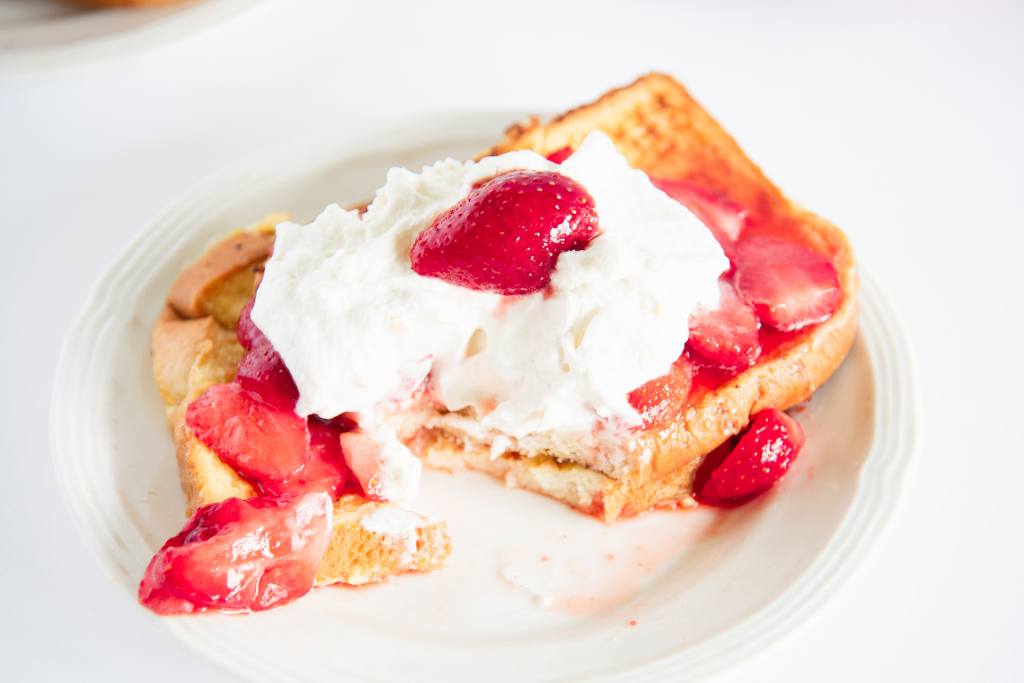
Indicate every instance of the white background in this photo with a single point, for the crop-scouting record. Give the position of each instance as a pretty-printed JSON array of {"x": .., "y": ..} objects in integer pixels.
[{"x": 901, "y": 124}]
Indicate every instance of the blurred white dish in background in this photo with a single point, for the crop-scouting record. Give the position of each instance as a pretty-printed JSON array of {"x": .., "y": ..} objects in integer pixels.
[{"x": 38, "y": 35}]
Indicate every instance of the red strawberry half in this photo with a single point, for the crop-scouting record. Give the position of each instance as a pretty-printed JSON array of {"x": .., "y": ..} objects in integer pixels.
[
  {"x": 789, "y": 285},
  {"x": 725, "y": 337},
  {"x": 725, "y": 218},
  {"x": 506, "y": 234},
  {"x": 661, "y": 399},
  {"x": 268, "y": 445},
  {"x": 748, "y": 465},
  {"x": 363, "y": 456},
  {"x": 248, "y": 333},
  {"x": 560, "y": 155},
  {"x": 240, "y": 555},
  {"x": 262, "y": 369}
]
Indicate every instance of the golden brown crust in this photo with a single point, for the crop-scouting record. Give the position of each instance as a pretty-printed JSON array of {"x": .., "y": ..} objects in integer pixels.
[
  {"x": 661, "y": 129},
  {"x": 179, "y": 341},
  {"x": 188, "y": 357},
  {"x": 213, "y": 285}
]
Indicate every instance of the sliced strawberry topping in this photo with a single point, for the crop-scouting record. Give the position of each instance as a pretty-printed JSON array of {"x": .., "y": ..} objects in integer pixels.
[
  {"x": 240, "y": 555},
  {"x": 262, "y": 370},
  {"x": 789, "y": 285},
  {"x": 326, "y": 469},
  {"x": 259, "y": 440},
  {"x": 248, "y": 333},
  {"x": 384, "y": 467},
  {"x": 345, "y": 422},
  {"x": 560, "y": 155},
  {"x": 725, "y": 218},
  {"x": 661, "y": 400},
  {"x": 748, "y": 465},
  {"x": 364, "y": 457},
  {"x": 726, "y": 337},
  {"x": 271, "y": 446},
  {"x": 506, "y": 234}
]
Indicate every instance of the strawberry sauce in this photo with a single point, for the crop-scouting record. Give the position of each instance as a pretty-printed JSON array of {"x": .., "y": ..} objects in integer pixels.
[
  {"x": 251, "y": 555},
  {"x": 785, "y": 289}
]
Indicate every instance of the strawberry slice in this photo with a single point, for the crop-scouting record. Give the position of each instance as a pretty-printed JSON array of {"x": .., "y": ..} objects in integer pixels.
[
  {"x": 384, "y": 467},
  {"x": 363, "y": 455},
  {"x": 259, "y": 440},
  {"x": 725, "y": 337},
  {"x": 660, "y": 400},
  {"x": 262, "y": 370},
  {"x": 560, "y": 155},
  {"x": 747, "y": 465},
  {"x": 240, "y": 556},
  {"x": 506, "y": 234},
  {"x": 248, "y": 333},
  {"x": 725, "y": 218},
  {"x": 789, "y": 285},
  {"x": 326, "y": 469},
  {"x": 268, "y": 445}
]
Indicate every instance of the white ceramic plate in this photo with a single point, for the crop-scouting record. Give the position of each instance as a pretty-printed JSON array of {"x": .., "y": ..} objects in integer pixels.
[
  {"x": 534, "y": 591},
  {"x": 37, "y": 35}
]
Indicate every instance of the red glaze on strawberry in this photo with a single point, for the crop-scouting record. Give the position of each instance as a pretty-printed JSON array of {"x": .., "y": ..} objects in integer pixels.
[
  {"x": 748, "y": 465},
  {"x": 363, "y": 455},
  {"x": 240, "y": 556},
  {"x": 262, "y": 370},
  {"x": 725, "y": 218},
  {"x": 725, "y": 337},
  {"x": 789, "y": 285},
  {"x": 345, "y": 422},
  {"x": 663, "y": 398},
  {"x": 506, "y": 234},
  {"x": 248, "y": 333},
  {"x": 560, "y": 155},
  {"x": 326, "y": 469},
  {"x": 270, "y": 446}
]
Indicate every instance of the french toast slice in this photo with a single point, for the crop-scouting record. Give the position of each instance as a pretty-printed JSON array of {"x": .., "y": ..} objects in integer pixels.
[{"x": 660, "y": 129}]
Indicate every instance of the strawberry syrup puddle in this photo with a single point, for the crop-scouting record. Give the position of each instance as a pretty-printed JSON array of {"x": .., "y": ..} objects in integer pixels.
[{"x": 614, "y": 568}]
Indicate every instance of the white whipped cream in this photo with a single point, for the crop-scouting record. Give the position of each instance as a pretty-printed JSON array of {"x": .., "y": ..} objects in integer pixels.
[{"x": 360, "y": 331}]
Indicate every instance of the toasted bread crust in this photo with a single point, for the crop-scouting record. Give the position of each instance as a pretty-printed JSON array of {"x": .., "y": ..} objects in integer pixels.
[
  {"x": 660, "y": 129},
  {"x": 224, "y": 275}
]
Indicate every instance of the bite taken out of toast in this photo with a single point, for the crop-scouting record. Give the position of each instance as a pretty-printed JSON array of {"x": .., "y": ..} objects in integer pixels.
[{"x": 660, "y": 129}]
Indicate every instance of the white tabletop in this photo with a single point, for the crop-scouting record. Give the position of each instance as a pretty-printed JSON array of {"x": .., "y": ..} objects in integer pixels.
[{"x": 903, "y": 125}]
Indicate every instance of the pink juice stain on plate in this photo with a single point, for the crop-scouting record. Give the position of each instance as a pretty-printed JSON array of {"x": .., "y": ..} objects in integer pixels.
[{"x": 585, "y": 579}]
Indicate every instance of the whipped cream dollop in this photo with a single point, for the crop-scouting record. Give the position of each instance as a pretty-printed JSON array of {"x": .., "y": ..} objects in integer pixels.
[{"x": 361, "y": 332}]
